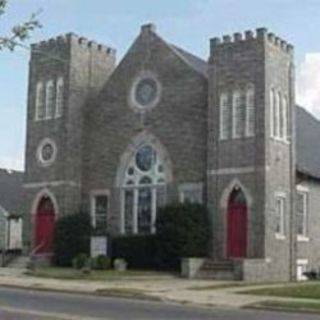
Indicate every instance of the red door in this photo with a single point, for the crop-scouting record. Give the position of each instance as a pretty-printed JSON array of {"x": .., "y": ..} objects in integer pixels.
[
  {"x": 237, "y": 225},
  {"x": 44, "y": 227}
]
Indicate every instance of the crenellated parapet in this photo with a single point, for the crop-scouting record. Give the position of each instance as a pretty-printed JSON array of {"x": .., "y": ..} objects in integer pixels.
[
  {"x": 259, "y": 35},
  {"x": 71, "y": 38}
]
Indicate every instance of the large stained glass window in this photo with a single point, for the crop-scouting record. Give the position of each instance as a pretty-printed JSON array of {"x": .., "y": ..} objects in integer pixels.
[{"x": 143, "y": 191}]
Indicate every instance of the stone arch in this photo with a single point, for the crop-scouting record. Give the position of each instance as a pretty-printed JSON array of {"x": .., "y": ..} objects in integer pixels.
[
  {"x": 234, "y": 184},
  {"x": 44, "y": 193}
]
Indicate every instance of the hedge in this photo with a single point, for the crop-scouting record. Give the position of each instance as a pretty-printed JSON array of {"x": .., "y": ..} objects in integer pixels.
[
  {"x": 182, "y": 231},
  {"x": 140, "y": 251},
  {"x": 72, "y": 237}
]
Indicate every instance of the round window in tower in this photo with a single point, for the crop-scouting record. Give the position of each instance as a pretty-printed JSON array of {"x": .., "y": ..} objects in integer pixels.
[{"x": 46, "y": 152}]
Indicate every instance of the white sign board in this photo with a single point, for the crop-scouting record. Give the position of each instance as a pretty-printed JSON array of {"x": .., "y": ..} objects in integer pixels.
[{"x": 98, "y": 245}]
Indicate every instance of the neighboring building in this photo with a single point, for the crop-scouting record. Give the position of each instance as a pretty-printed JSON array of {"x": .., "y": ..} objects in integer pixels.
[
  {"x": 163, "y": 125},
  {"x": 10, "y": 209}
]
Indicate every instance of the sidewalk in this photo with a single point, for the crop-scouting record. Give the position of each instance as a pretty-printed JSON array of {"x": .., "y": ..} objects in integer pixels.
[{"x": 164, "y": 288}]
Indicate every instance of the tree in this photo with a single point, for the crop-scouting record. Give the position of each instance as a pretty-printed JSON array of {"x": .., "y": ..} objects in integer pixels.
[
  {"x": 182, "y": 231},
  {"x": 19, "y": 33}
]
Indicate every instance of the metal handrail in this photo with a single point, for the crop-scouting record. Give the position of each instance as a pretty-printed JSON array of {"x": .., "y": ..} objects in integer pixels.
[{"x": 42, "y": 243}]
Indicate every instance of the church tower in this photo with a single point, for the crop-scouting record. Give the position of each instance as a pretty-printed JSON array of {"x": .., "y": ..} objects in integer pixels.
[
  {"x": 65, "y": 73},
  {"x": 251, "y": 156}
]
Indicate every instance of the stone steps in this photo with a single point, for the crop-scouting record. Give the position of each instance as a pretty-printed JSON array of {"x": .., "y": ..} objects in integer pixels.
[
  {"x": 20, "y": 262},
  {"x": 217, "y": 270}
]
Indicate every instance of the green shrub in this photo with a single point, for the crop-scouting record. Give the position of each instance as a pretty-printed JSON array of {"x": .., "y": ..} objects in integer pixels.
[
  {"x": 101, "y": 262},
  {"x": 138, "y": 250},
  {"x": 182, "y": 231},
  {"x": 72, "y": 237},
  {"x": 80, "y": 261}
]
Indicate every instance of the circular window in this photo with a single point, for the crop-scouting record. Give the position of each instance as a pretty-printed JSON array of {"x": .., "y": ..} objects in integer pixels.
[
  {"x": 46, "y": 152},
  {"x": 145, "y": 158},
  {"x": 145, "y": 91}
]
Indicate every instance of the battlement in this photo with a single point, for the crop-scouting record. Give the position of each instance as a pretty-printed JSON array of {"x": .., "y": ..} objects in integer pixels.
[
  {"x": 71, "y": 38},
  {"x": 260, "y": 34}
]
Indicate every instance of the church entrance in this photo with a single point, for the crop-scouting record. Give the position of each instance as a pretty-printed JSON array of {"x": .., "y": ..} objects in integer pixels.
[
  {"x": 237, "y": 222},
  {"x": 44, "y": 227}
]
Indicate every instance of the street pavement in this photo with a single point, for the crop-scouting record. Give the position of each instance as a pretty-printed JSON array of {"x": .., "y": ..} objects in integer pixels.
[{"x": 21, "y": 304}]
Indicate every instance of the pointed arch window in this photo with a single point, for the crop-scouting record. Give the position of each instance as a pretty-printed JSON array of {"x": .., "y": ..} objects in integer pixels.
[
  {"x": 59, "y": 97},
  {"x": 272, "y": 113},
  {"x": 143, "y": 191},
  {"x": 250, "y": 111},
  {"x": 50, "y": 99},
  {"x": 40, "y": 105},
  {"x": 224, "y": 131},
  {"x": 238, "y": 114},
  {"x": 285, "y": 117}
]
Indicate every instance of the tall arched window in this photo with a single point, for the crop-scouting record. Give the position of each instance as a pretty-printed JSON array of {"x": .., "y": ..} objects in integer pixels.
[
  {"x": 285, "y": 117},
  {"x": 272, "y": 113},
  {"x": 238, "y": 112},
  {"x": 281, "y": 116},
  {"x": 40, "y": 107},
  {"x": 59, "y": 97},
  {"x": 224, "y": 130},
  {"x": 276, "y": 116},
  {"x": 250, "y": 111},
  {"x": 143, "y": 190},
  {"x": 50, "y": 103}
]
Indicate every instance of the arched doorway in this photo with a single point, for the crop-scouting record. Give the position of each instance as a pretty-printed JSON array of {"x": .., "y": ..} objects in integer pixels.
[
  {"x": 237, "y": 221},
  {"x": 44, "y": 226}
]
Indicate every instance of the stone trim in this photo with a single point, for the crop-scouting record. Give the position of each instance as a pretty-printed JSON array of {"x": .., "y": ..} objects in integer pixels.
[
  {"x": 56, "y": 183},
  {"x": 241, "y": 170}
]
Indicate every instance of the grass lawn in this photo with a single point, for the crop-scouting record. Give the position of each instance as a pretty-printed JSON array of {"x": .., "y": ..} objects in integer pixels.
[
  {"x": 295, "y": 306},
  {"x": 300, "y": 290},
  {"x": 96, "y": 275}
]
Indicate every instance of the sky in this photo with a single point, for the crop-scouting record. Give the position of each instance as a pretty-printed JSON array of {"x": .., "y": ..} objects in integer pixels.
[{"x": 189, "y": 24}]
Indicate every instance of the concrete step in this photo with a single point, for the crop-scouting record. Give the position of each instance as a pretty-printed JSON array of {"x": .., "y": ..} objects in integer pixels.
[
  {"x": 217, "y": 270},
  {"x": 20, "y": 262}
]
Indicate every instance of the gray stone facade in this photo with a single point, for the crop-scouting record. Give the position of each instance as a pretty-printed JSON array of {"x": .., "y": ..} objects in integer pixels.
[{"x": 101, "y": 128}]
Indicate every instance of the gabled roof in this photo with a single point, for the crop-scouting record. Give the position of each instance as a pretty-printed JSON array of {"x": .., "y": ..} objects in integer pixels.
[
  {"x": 193, "y": 61},
  {"x": 308, "y": 143},
  {"x": 11, "y": 190}
]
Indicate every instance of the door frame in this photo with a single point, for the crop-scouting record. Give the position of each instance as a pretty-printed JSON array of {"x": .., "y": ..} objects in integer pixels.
[
  {"x": 34, "y": 210},
  {"x": 244, "y": 227},
  {"x": 223, "y": 211}
]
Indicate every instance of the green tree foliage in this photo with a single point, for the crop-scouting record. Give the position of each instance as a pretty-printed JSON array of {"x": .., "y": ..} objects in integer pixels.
[
  {"x": 182, "y": 231},
  {"x": 19, "y": 33},
  {"x": 72, "y": 237}
]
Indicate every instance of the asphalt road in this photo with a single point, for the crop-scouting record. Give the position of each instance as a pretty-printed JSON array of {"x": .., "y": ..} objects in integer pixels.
[{"x": 18, "y": 304}]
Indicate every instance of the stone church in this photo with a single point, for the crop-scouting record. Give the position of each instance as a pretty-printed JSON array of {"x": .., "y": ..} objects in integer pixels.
[{"x": 119, "y": 140}]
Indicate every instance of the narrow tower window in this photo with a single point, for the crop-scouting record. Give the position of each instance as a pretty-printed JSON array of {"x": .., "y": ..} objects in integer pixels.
[
  {"x": 250, "y": 112},
  {"x": 224, "y": 117},
  {"x": 50, "y": 100},
  {"x": 237, "y": 114},
  {"x": 281, "y": 116},
  {"x": 285, "y": 117},
  {"x": 59, "y": 97},
  {"x": 40, "y": 111},
  {"x": 272, "y": 113}
]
